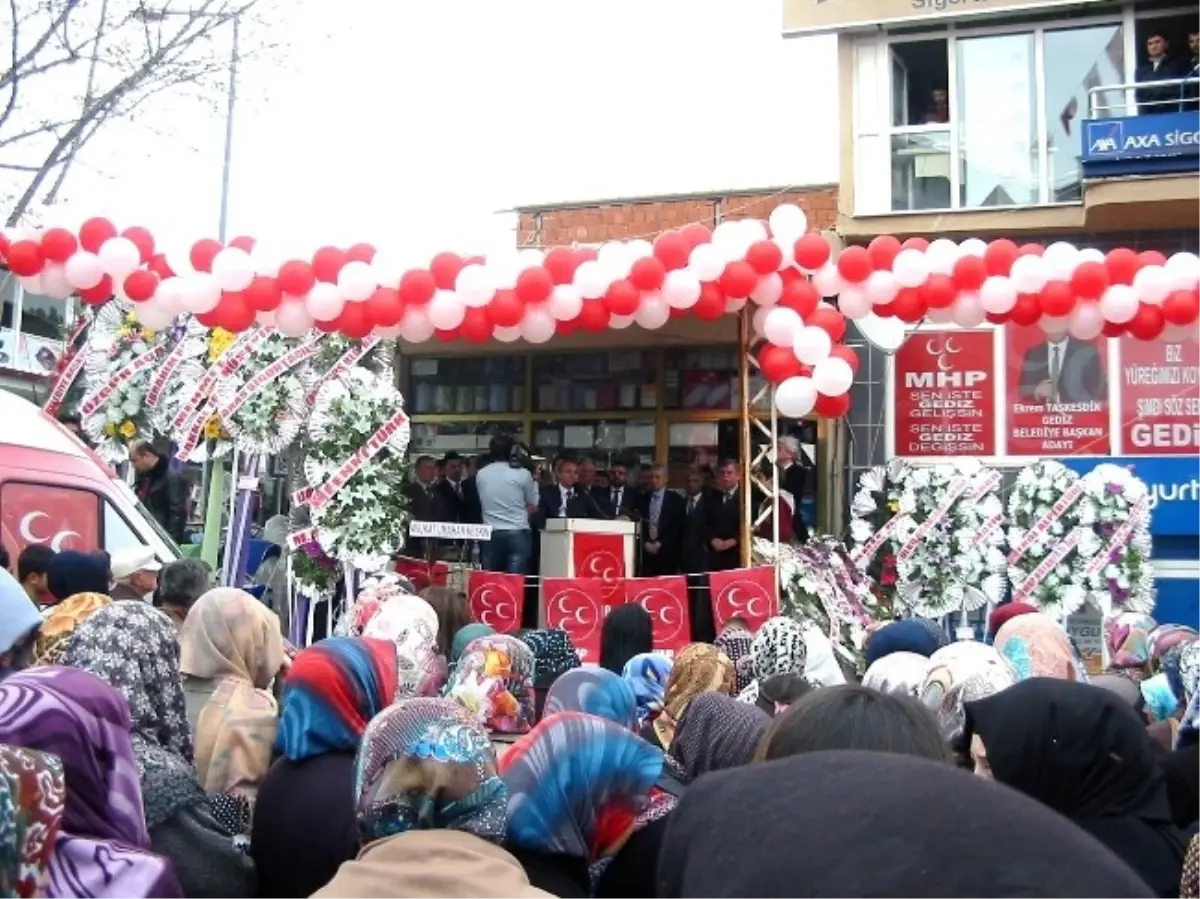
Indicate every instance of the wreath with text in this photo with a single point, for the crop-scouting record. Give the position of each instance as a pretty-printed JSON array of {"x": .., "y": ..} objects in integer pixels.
[
  {"x": 874, "y": 523},
  {"x": 1116, "y": 506}
]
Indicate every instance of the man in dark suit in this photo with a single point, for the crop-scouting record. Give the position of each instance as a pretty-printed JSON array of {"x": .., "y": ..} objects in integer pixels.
[
  {"x": 425, "y": 503},
  {"x": 724, "y": 520},
  {"x": 791, "y": 478},
  {"x": 694, "y": 555},
  {"x": 563, "y": 499},
  {"x": 617, "y": 500},
  {"x": 1062, "y": 370},
  {"x": 663, "y": 512},
  {"x": 1160, "y": 65},
  {"x": 459, "y": 491}
]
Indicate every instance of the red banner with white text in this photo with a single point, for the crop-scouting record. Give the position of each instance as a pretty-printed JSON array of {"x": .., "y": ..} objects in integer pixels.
[
  {"x": 945, "y": 395},
  {"x": 496, "y": 599},
  {"x": 602, "y": 556},
  {"x": 576, "y": 605},
  {"x": 746, "y": 593},
  {"x": 1160, "y": 397},
  {"x": 666, "y": 599}
]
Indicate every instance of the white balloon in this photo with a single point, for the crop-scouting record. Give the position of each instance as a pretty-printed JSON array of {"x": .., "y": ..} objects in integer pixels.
[
  {"x": 54, "y": 282},
  {"x": 1090, "y": 254},
  {"x": 681, "y": 289},
  {"x": 530, "y": 257},
  {"x": 1086, "y": 321},
  {"x": 653, "y": 312},
  {"x": 639, "y": 249},
  {"x": 968, "y": 310},
  {"x": 1151, "y": 283},
  {"x": 939, "y": 315},
  {"x": 507, "y": 335},
  {"x": 729, "y": 241},
  {"x": 474, "y": 286},
  {"x": 446, "y": 311},
  {"x": 264, "y": 261},
  {"x": 826, "y": 280},
  {"x": 997, "y": 295},
  {"x": 324, "y": 302},
  {"x": 972, "y": 246},
  {"x": 768, "y": 290},
  {"x": 787, "y": 249},
  {"x": 881, "y": 287},
  {"x": 735, "y": 304},
  {"x": 621, "y": 322},
  {"x": 169, "y": 295},
  {"x": 33, "y": 284},
  {"x": 152, "y": 316},
  {"x": 200, "y": 293},
  {"x": 265, "y": 318},
  {"x": 1184, "y": 264},
  {"x": 1029, "y": 274},
  {"x": 614, "y": 259},
  {"x": 796, "y": 397},
  {"x": 941, "y": 255},
  {"x": 832, "y": 376},
  {"x": 415, "y": 327},
  {"x": 391, "y": 332},
  {"x": 356, "y": 281},
  {"x": 179, "y": 260},
  {"x": 811, "y": 345},
  {"x": 565, "y": 303},
  {"x": 83, "y": 270},
  {"x": 119, "y": 256},
  {"x": 232, "y": 269},
  {"x": 758, "y": 319},
  {"x": 591, "y": 280},
  {"x": 788, "y": 221},
  {"x": 1118, "y": 304},
  {"x": 781, "y": 325},
  {"x": 538, "y": 325},
  {"x": 706, "y": 262},
  {"x": 854, "y": 303},
  {"x": 910, "y": 268},
  {"x": 753, "y": 230},
  {"x": 503, "y": 267},
  {"x": 389, "y": 268},
  {"x": 1060, "y": 259}
]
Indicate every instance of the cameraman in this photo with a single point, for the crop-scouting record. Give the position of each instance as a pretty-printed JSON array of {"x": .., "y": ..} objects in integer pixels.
[{"x": 507, "y": 497}]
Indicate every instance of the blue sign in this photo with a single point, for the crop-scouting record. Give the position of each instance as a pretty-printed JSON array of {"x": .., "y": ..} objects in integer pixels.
[
  {"x": 1174, "y": 483},
  {"x": 1135, "y": 145}
]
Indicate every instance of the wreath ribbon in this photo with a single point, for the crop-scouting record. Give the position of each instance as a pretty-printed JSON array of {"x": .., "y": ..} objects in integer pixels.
[
  {"x": 1043, "y": 524},
  {"x": 321, "y": 496},
  {"x": 1121, "y": 537},
  {"x": 347, "y": 361},
  {"x": 1042, "y": 571},
  {"x": 126, "y": 374}
]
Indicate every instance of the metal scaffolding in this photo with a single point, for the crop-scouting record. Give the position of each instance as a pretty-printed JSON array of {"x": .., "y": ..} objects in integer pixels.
[{"x": 759, "y": 471}]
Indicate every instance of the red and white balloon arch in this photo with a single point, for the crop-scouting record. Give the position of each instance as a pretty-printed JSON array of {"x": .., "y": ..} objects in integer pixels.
[{"x": 779, "y": 265}]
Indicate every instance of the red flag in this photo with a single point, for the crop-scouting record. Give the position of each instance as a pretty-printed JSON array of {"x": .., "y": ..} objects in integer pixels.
[
  {"x": 602, "y": 556},
  {"x": 666, "y": 599},
  {"x": 576, "y": 605},
  {"x": 747, "y": 593},
  {"x": 422, "y": 574},
  {"x": 496, "y": 599}
]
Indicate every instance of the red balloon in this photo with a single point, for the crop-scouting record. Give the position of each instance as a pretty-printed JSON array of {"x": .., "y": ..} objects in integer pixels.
[
  {"x": 778, "y": 363},
  {"x": 140, "y": 285},
  {"x": 94, "y": 232},
  {"x": 567, "y": 327},
  {"x": 534, "y": 285},
  {"x": 915, "y": 243},
  {"x": 354, "y": 321},
  {"x": 445, "y": 268},
  {"x": 1151, "y": 257},
  {"x": 594, "y": 316},
  {"x": 647, "y": 273},
  {"x": 764, "y": 256},
  {"x": 326, "y": 263},
  {"x": 996, "y": 318},
  {"x": 1181, "y": 307},
  {"x": 801, "y": 297},
  {"x": 296, "y": 277},
  {"x": 263, "y": 294},
  {"x": 158, "y": 265},
  {"x": 909, "y": 305},
  {"x": 883, "y": 250},
  {"x": 25, "y": 258},
  {"x": 1122, "y": 264},
  {"x": 739, "y": 279},
  {"x": 561, "y": 264},
  {"x": 202, "y": 254},
  {"x": 505, "y": 309},
  {"x": 790, "y": 274},
  {"x": 384, "y": 307},
  {"x": 622, "y": 298},
  {"x": 832, "y": 406},
  {"x": 361, "y": 252},
  {"x": 243, "y": 242},
  {"x": 969, "y": 273},
  {"x": 847, "y": 355},
  {"x": 938, "y": 292},
  {"x": 711, "y": 305},
  {"x": 1089, "y": 280},
  {"x": 585, "y": 254},
  {"x": 811, "y": 251},
  {"x": 1057, "y": 299},
  {"x": 1000, "y": 256},
  {"x": 417, "y": 287},
  {"x": 210, "y": 319},
  {"x": 142, "y": 239},
  {"x": 234, "y": 313},
  {"x": 476, "y": 327},
  {"x": 696, "y": 234},
  {"x": 854, "y": 265},
  {"x": 830, "y": 320},
  {"x": 1148, "y": 323},
  {"x": 59, "y": 244},
  {"x": 4, "y": 245},
  {"x": 99, "y": 294},
  {"x": 1031, "y": 249},
  {"x": 1026, "y": 311},
  {"x": 671, "y": 249},
  {"x": 1114, "y": 329},
  {"x": 469, "y": 260}
]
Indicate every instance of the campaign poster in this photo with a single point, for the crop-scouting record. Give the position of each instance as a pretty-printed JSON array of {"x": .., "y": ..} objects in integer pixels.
[
  {"x": 1160, "y": 397},
  {"x": 945, "y": 389},
  {"x": 1057, "y": 401}
]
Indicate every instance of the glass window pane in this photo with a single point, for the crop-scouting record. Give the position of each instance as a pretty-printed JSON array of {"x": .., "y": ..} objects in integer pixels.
[
  {"x": 43, "y": 324},
  {"x": 119, "y": 537},
  {"x": 595, "y": 382},
  {"x": 1077, "y": 60},
  {"x": 631, "y": 440},
  {"x": 702, "y": 378},
  {"x": 997, "y": 121},
  {"x": 921, "y": 171},
  {"x": 466, "y": 438},
  {"x": 461, "y": 386},
  {"x": 919, "y": 76}
]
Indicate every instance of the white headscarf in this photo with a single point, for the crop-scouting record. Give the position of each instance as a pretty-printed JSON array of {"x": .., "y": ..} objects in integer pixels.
[
  {"x": 821, "y": 668},
  {"x": 898, "y": 672}
]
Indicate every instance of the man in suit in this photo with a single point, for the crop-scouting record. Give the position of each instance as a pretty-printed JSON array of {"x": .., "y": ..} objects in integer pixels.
[
  {"x": 458, "y": 491},
  {"x": 724, "y": 520},
  {"x": 663, "y": 512},
  {"x": 1160, "y": 65},
  {"x": 1062, "y": 370},
  {"x": 694, "y": 555},
  {"x": 564, "y": 499},
  {"x": 617, "y": 500},
  {"x": 791, "y": 478},
  {"x": 425, "y": 503}
]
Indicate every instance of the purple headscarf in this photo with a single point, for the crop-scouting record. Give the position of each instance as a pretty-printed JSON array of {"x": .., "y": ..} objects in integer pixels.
[{"x": 103, "y": 848}]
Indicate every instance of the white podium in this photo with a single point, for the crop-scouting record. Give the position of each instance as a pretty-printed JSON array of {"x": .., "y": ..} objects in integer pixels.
[{"x": 558, "y": 551}]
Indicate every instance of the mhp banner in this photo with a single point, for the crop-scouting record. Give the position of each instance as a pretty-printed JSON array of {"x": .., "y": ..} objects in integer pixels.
[{"x": 1132, "y": 145}]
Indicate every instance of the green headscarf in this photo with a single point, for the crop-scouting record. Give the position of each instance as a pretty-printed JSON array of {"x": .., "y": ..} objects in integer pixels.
[{"x": 464, "y": 636}]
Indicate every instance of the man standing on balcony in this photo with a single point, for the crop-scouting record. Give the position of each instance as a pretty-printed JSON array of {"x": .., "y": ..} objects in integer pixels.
[
  {"x": 1159, "y": 66},
  {"x": 1191, "y": 88}
]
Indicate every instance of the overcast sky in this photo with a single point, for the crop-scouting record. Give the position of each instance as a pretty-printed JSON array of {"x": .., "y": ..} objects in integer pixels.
[{"x": 409, "y": 124}]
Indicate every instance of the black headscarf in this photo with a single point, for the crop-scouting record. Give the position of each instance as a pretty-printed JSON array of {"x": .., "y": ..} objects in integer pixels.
[
  {"x": 717, "y": 732},
  {"x": 627, "y": 631},
  {"x": 71, "y": 572},
  {"x": 873, "y": 824}
]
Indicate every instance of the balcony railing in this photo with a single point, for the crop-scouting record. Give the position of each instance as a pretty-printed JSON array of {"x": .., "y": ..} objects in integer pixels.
[{"x": 1154, "y": 128}]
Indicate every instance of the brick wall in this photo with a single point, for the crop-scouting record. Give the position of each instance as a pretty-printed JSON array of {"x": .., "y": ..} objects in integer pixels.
[{"x": 562, "y": 226}]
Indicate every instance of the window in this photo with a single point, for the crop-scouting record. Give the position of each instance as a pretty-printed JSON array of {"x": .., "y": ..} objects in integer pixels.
[
  {"x": 920, "y": 141},
  {"x": 119, "y": 537},
  {"x": 43, "y": 321}
]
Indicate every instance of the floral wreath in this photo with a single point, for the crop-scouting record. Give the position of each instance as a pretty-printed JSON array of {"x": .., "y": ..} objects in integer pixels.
[
  {"x": 364, "y": 521},
  {"x": 120, "y": 364},
  {"x": 75, "y": 346},
  {"x": 1048, "y": 552},
  {"x": 337, "y": 354},
  {"x": 1116, "y": 506},
  {"x": 873, "y": 524},
  {"x": 174, "y": 382},
  {"x": 314, "y": 573},
  {"x": 272, "y": 415},
  {"x": 950, "y": 539}
]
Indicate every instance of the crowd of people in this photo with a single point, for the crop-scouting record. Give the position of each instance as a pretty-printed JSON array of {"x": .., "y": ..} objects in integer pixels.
[{"x": 417, "y": 753}]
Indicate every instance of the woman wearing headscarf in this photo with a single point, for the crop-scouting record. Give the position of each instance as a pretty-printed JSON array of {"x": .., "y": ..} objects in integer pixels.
[
  {"x": 627, "y": 631},
  {"x": 957, "y": 674},
  {"x": 594, "y": 691},
  {"x": 430, "y": 809},
  {"x": 899, "y": 672},
  {"x": 134, "y": 647},
  {"x": 31, "y": 809},
  {"x": 553, "y": 655},
  {"x": 231, "y": 649},
  {"x": 717, "y": 732},
  {"x": 1163, "y": 638},
  {"x": 494, "y": 682},
  {"x": 464, "y": 636},
  {"x": 576, "y": 784},
  {"x": 103, "y": 848},
  {"x": 1037, "y": 646},
  {"x": 1189, "y": 883},
  {"x": 304, "y": 818},
  {"x": 777, "y": 648},
  {"x": 412, "y": 624},
  {"x": 60, "y": 622},
  {"x": 71, "y": 572},
  {"x": 1082, "y": 752},
  {"x": 1127, "y": 638},
  {"x": 699, "y": 668},
  {"x": 904, "y": 827},
  {"x": 20, "y": 621},
  {"x": 453, "y": 614},
  {"x": 910, "y": 635},
  {"x": 1005, "y": 613},
  {"x": 736, "y": 642},
  {"x": 648, "y": 673},
  {"x": 821, "y": 666}
]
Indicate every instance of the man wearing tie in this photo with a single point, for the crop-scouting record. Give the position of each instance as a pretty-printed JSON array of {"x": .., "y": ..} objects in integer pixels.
[
  {"x": 725, "y": 519},
  {"x": 617, "y": 500},
  {"x": 1062, "y": 370},
  {"x": 694, "y": 555},
  {"x": 563, "y": 499},
  {"x": 425, "y": 503},
  {"x": 458, "y": 491},
  {"x": 663, "y": 513}
]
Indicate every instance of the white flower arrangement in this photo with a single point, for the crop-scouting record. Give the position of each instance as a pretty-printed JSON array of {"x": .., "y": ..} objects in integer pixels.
[
  {"x": 951, "y": 540},
  {"x": 874, "y": 509},
  {"x": 187, "y": 358},
  {"x": 1037, "y": 530},
  {"x": 273, "y": 416},
  {"x": 1115, "y": 506}
]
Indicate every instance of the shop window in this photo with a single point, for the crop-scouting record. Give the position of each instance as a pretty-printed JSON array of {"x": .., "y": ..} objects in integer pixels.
[
  {"x": 604, "y": 442},
  {"x": 466, "y": 438},
  {"x": 467, "y": 386},
  {"x": 624, "y": 381}
]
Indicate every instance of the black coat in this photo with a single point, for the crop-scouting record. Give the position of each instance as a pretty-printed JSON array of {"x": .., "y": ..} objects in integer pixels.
[
  {"x": 693, "y": 548},
  {"x": 627, "y": 504},
  {"x": 671, "y": 521},
  {"x": 164, "y": 494},
  {"x": 550, "y": 504},
  {"x": 462, "y": 504},
  {"x": 792, "y": 480},
  {"x": 1080, "y": 378},
  {"x": 425, "y": 504},
  {"x": 724, "y": 522},
  {"x": 1152, "y": 100}
]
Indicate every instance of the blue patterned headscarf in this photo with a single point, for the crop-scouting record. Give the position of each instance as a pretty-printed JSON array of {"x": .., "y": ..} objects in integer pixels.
[
  {"x": 553, "y": 655},
  {"x": 424, "y": 764},
  {"x": 910, "y": 635},
  {"x": 1161, "y": 701},
  {"x": 594, "y": 691},
  {"x": 647, "y": 673}
]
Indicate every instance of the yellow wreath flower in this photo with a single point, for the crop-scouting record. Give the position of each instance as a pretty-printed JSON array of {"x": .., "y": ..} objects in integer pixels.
[{"x": 128, "y": 429}]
